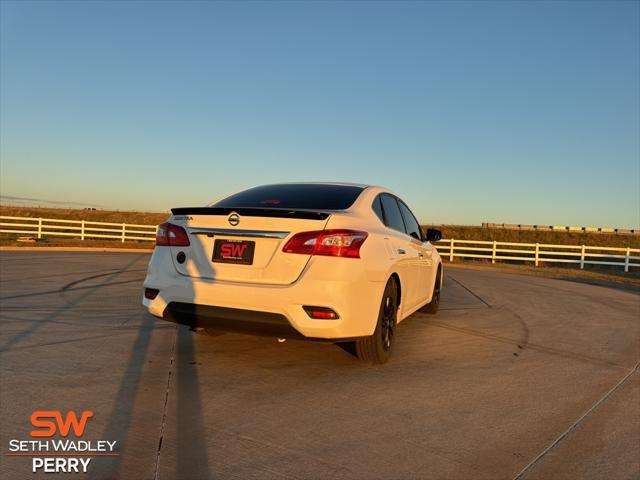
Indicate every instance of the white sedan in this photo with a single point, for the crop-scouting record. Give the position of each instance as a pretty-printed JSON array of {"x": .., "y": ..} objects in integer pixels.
[{"x": 318, "y": 261}]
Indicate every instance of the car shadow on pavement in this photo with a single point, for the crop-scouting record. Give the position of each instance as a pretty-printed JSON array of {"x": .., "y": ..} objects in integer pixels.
[
  {"x": 191, "y": 444},
  {"x": 121, "y": 415},
  {"x": 69, "y": 305}
]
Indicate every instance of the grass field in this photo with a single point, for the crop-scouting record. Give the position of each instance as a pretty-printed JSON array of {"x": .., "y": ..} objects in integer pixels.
[
  {"x": 449, "y": 231},
  {"x": 532, "y": 236},
  {"x": 141, "y": 218}
]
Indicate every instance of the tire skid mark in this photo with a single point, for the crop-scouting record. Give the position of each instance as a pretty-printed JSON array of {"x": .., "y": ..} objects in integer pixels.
[
  {"x": 532, "y": 346},
  {"x": 103, "y": 327},
  {"x": 57, "y": 313},
  {"x": 39, "y": 277},
  {"x": 69, "y": 286},
  {"x": 100, "y": 275},
  {"x": 470, "y": 291},
  {"x": 4, "y": 258},
  {"x": 71, "y": 340},
  {"x": 524, "y": 342},
  {"x": 60, "y": 290}
]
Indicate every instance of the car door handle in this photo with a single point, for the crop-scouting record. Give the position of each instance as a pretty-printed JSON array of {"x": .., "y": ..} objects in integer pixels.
[
  {"x": 401, "y": 251},
  {"x": 420, "y": 254}
]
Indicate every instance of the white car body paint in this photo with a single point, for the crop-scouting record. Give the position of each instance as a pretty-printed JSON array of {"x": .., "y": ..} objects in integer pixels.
[{"x": 281, "y": 283}]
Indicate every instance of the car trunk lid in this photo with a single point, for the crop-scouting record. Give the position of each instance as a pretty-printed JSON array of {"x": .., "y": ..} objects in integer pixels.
[{"x": 243, "y": 245}]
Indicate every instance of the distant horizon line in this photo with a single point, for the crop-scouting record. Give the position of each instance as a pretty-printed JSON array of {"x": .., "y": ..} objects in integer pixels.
[
  {"x": 54, "y": 202},
  {"x": 84, "y": 206}
]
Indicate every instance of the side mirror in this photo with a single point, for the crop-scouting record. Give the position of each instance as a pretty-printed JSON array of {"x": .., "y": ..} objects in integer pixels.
[{"x": 433, "y": 235}]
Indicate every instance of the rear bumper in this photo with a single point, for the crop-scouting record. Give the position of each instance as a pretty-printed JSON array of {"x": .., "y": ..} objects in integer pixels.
[
  {"x": 230, "y": 319},
  {"x": 275, "y": 310},
  {"x": 234, "y": 320}
]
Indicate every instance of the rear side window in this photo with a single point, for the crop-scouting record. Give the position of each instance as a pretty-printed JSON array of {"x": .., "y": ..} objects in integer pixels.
[
  {"x": 410, "y": 221},
  {"x": 312, "y": 196},
  {"x": 377, "y": 208},
  {"x": 392, "y": 213}
]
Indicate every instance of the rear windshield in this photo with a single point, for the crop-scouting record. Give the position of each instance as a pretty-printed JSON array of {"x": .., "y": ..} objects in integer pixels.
[{"x": 295, "y": 196}]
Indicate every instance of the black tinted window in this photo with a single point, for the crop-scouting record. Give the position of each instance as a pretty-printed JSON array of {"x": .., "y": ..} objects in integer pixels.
[
  {"x": 392, "y": 213},
  {"x": 300, "y": 195},
  {"x": 413, "y": 228},
  {"x": 377, "y": 208}
]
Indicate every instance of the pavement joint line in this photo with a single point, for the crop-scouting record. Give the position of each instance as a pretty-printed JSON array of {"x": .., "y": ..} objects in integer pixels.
[
  {"x": 576, "y": 423},
  {"x": 469, "y": 290},
  {"x": 166, "y": 403}
]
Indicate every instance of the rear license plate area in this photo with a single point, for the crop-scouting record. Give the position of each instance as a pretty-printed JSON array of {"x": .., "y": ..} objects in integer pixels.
[{"x": 239, "y": 252}]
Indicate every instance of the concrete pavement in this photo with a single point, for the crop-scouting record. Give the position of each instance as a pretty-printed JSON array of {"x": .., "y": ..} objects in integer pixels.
[{"x": 515, "y": 377}]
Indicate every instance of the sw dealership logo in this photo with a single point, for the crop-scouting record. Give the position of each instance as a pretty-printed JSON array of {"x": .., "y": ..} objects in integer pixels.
[
  {"x": 60, "y": 455},
  {"x": 232, "y": 250}
]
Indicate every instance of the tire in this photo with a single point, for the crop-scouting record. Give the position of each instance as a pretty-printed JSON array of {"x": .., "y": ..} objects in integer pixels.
[
  {"x": 434, "y": 305},
  {"x": 378, "y": 347}
]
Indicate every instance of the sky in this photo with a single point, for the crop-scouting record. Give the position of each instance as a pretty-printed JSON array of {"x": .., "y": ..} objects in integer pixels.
[{"x": 506, "y": 111}]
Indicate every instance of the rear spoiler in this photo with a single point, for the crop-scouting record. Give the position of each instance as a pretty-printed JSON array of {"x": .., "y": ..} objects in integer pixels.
[{"x": 253, "y": 212}]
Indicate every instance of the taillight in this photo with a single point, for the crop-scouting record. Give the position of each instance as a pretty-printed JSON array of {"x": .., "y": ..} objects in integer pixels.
[
  {"x": 151, "y": 293},
  {"x": 170, "y": 235},
  {"x": 332, "y": 243},
  {"x": 321, "y": 313}
]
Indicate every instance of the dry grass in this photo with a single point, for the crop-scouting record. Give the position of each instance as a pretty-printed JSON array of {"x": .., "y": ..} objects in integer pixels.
[
  {"x": 12, "y": 241},
  {"x": 141, "y": 218},
  {"x": 532, "y": 236}
]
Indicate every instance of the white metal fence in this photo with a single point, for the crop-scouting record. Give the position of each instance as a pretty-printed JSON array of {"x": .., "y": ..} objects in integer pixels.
[
  {"x": 449, "y": 249},
  {"x": 562, "y": 228},
  {"x": 538, "y": 253},
  {"x": 82, "y": 229}
]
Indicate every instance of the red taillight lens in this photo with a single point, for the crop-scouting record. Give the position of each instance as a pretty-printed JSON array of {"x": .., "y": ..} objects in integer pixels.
[
  {"x": 304, "y": 242},
  {"x": 170, "y": 235},
  {"x": 332, "y": 243},
  {"x": 151, "y": 293},
  {"x": 321, "y": 313}
]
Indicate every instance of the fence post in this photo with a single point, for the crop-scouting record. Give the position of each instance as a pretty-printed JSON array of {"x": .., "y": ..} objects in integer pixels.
[
  {"x": 451, "y": 250},
  {"x": 82, "y": 230},
  {"x": 537, "y": 253},
  {"x": 39, "y": 227},
  {"x": 124, "y": 227},
  {"x": 626, "y": 259},
  {"x": 582, "y": 258},
  {"x": 493, "y": 253}
]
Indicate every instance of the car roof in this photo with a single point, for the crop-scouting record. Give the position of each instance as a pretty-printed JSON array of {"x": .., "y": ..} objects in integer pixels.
[{"x": 346, "y": 184}]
